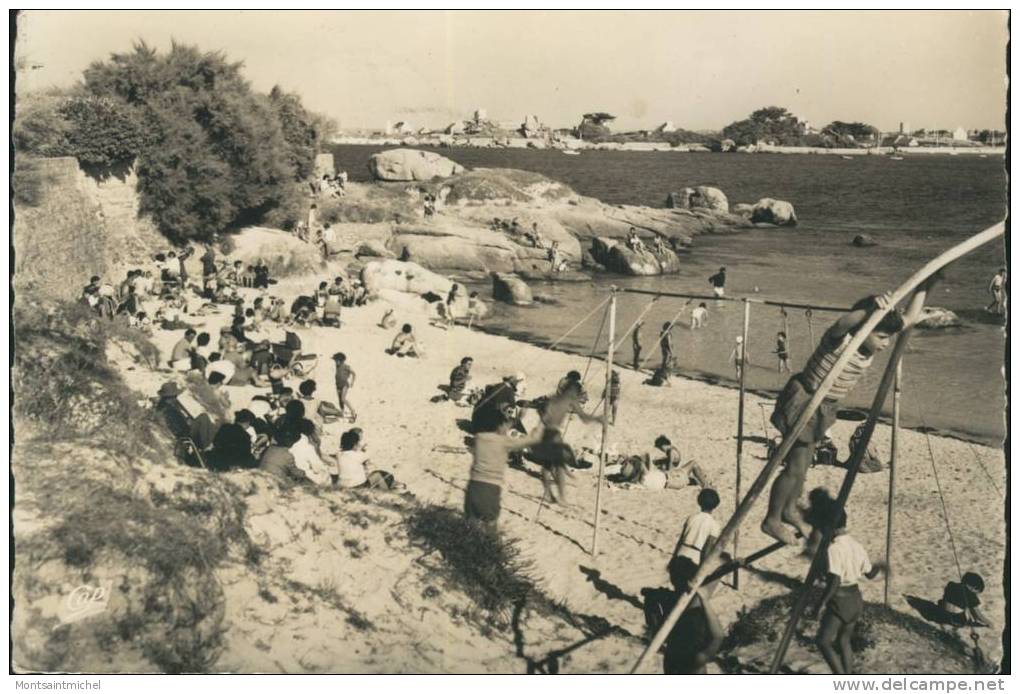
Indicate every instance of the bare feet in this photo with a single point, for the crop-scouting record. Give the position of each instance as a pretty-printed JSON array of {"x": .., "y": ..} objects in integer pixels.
[{"x": 778, "y": 531}]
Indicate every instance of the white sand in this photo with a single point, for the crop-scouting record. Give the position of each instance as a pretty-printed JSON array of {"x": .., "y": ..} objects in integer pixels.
[{"x": 422, "y": 445}]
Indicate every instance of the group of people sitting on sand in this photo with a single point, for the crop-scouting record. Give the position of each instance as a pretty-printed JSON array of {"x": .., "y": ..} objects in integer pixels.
[{"x": 329, "y": 186}]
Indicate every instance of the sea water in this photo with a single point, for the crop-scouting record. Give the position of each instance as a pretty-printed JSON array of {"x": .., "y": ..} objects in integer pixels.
[{"x": 914, "y": 209}]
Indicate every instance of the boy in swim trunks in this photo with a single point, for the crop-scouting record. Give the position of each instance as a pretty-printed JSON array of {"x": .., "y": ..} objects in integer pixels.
[
  {"x": 799, "y": 390},
  {"x": 848, "y": 563}
]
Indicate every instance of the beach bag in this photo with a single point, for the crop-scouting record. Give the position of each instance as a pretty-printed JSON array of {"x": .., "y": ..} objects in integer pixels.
[
  {"x": 292, "y": 341},
  {"x": 379, "y": 479}
]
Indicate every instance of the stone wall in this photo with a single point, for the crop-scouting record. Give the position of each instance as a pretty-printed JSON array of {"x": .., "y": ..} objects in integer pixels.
[{"x": 76, "y": 226}]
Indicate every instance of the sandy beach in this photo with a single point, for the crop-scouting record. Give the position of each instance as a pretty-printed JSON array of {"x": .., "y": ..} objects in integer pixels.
[{"x": 421, "y": 444}]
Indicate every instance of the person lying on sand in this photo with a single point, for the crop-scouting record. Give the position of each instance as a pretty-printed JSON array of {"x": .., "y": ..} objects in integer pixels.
[
  {"x": 848, "y": 563},
  {"x": 405, "y": 344},
  {"x": 789, "y": 485}
]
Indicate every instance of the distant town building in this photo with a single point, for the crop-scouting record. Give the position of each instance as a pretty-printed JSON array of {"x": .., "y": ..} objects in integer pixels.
[{"x": 960, "y": 133}]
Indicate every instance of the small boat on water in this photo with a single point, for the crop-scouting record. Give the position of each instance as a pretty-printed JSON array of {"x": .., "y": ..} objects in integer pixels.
[
  {"x": 571, "y": 151},
  {"x": 896, "y": 158},
  {"x": 845, "y": 156}
]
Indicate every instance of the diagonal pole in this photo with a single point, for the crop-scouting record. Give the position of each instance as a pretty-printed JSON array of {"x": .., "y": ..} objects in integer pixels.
[
  {"x": 713, "y": 559},
  {"x": 740, "y": 432},
  {"x": 853, "y": 465},
  {"x": 892, "y": 481}
]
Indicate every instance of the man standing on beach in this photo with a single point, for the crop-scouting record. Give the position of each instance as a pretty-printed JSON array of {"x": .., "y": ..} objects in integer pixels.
[
  {"x": 718, "y": 282},
  {"x": 666, "y": 345},
  {"x": 997, "y": 288},
  {"x": 635, "y": 341}
]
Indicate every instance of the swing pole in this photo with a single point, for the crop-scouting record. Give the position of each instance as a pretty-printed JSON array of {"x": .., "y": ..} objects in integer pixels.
[
  {"x": 713, "y": 559},
  {"x": 605, "y": 422},
  {"x": 740, "y": 434},
  {"x": 892, "y": 480},
  {"x": 853, "y": 465}
]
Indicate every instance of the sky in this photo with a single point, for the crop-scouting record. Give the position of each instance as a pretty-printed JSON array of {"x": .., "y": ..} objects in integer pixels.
[{"x": 699, "y": 70}]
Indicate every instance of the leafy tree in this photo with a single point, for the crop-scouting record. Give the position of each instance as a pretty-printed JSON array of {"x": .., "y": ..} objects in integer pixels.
[
  {"x": 850, "y": 134},
  {"x": 214, "y": 154},
  {"x": 773, "y": 123},
  {"x": 101, "y": 131}
]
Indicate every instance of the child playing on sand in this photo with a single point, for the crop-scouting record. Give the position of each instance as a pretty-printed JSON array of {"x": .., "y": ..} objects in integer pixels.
[
  {"x": 635, "y": 343},
  {"x": 739, "y": 356},
  {"x": 698, "y": 316},
  {"x": 700, "y": 530},
  {"x": 613, "y": 395},
  {"x": 344, "y": 382},
  {"x": 789, "y": 485},
  {"x": 848, "y": 563},
  {"x": 490, "y": 456},
  {"x": 553, "y": 453},
  {"x": 960, "y": 600},
  {"x": 782, "y": 352},
  {"x": 405, "y": 344}
]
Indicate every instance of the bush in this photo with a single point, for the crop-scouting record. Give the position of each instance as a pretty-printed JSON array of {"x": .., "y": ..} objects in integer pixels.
[
  {"x": 63, "y": 382},
  {"x": 215, "y": 155},
  {"x": 101, "y": 131},
  {"x": 481, "y": 562}
]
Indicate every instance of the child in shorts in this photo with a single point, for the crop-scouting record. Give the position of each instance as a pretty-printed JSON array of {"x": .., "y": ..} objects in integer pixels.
[
  {"x": 782, "y": 352},
  {"x": 842, "y": 600},
  {"x": 800, "y": 389}
]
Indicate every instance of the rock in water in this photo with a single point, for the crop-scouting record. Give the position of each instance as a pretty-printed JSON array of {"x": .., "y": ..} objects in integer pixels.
[
  {"x": 411, "y": 165},
  {"x": 743, "y": 209},
  {"x": 770, "y": 211},
  {"x": 864, "y": 241},
  {"x": 510, "y": 289},
  {"x": 617, "y": 257},
  {"x": 699, "y": 198},
  {"x": 934, "y": 317}
]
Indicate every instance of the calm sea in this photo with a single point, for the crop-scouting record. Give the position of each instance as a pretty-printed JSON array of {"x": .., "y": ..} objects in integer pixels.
[{"x": 914, "y": 208}]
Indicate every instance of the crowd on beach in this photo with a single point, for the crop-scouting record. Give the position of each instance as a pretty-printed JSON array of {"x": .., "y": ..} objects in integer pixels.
[{"x": 243, "y": 399}]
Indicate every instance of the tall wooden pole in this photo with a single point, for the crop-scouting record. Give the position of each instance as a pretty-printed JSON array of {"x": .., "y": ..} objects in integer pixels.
[
  {"x": 892, "y": 480},
  {"x": 606, "y": 410},
  {"x": 713, "y": 559},
  {"x": 740, "y": 433}
]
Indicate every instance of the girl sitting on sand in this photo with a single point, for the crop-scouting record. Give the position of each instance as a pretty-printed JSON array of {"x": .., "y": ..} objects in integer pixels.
[{"x": 405, "y": 344}]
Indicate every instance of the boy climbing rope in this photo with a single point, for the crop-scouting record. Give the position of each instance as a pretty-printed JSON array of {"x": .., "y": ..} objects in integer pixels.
[{"x": 801, "y": 387}]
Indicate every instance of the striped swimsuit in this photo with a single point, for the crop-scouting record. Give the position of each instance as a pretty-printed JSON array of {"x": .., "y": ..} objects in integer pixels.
[{"x": 821, "y": 363}]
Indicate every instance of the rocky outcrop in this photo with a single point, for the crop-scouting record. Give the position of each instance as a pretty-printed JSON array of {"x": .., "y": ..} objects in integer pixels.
[
  {"x": 864, "y": 241},
  {"x": 285, "y": 253},
  {"x": 450, "y": 244},
  {"x": 510, "y": 289},
  {"x": 934, "y": 318},
  {"x": 373, "y": 248},
  {"x": 615, "y": 256},
  {"x": 777, "y": 212},
  {"x": 401, "y": 276},
  {"x": 701, "y": 197},
  {"x": 411, "y": 165}
]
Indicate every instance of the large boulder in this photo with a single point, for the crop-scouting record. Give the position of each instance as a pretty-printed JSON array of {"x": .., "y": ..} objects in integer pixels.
[
  {"x": 511, "y": 289},
  {"x": 284, "y": 253},
  {"x": 771, "y": 211},
  {"x": 934, "y": 317},
  {"x": 700, "y": 197},
  {"x": 615, "y": 256},
  {"x": 411, "y": 165},
  {"x": 451, "y": 244},
  {"x": 373, "y": 248},
  {"x": 406, "y": 277}
]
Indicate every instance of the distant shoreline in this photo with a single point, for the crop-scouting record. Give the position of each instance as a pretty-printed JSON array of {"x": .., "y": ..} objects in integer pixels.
[{"x": 571, "y": 145}]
